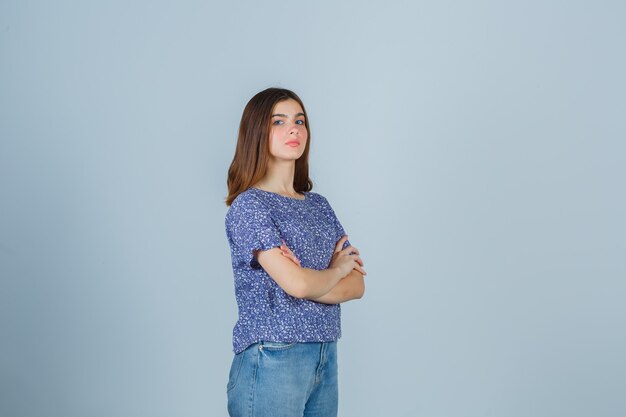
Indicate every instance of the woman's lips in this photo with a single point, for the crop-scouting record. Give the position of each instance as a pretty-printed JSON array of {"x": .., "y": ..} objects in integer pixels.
[{"x": 293, "y": 143}]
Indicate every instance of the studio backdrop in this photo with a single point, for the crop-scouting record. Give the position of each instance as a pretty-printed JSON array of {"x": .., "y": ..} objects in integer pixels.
[{"x": 473, "y": 151}]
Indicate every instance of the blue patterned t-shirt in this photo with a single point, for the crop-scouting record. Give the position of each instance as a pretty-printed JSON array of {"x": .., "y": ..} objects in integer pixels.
[{"x": 259, "y": 219}]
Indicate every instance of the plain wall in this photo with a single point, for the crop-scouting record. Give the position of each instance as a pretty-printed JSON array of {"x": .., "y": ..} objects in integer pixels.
[{"x": 473, "y": 151}]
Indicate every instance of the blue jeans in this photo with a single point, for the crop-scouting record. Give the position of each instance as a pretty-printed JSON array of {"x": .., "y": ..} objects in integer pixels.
[{"x": 276, "y": 379}]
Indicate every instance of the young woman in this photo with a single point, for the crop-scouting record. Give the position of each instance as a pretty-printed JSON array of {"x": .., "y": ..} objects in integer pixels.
[{"x": 292, "y": 263}]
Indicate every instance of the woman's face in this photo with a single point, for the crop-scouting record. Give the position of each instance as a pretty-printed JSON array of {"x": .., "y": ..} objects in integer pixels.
[{"x": 288, "y": 134}]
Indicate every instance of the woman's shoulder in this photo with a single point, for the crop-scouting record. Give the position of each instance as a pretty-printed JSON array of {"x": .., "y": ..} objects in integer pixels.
[
  {"x": 245, "y": 196},
  {"x": 245, "y": 203},
  {"x": 317, "y": 197}
]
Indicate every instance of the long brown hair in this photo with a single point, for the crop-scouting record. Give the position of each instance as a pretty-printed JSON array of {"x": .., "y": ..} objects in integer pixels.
[{"x": 249, "y": 164}]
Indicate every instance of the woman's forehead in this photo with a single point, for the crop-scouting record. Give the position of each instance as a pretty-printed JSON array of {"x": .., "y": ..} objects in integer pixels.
[{"x": 289, "y": 107}]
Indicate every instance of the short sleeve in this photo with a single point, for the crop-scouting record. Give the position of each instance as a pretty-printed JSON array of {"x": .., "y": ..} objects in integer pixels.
[
  {"x": 339, "y": 230},
  {"x": 249, "y": 227}
]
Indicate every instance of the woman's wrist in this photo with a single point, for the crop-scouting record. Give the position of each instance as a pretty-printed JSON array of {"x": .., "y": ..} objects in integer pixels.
[{"x": 337, "y": 273}]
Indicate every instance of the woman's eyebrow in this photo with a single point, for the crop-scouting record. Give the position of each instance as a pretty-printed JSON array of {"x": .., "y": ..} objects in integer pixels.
[{"x": 284, "y": 115}]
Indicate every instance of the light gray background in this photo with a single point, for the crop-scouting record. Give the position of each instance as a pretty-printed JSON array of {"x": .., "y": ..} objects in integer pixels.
[{"x": 474, "y": 152}]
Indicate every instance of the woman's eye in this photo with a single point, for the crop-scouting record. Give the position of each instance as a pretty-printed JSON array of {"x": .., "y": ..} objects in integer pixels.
[{"x": 280, "y": 122}]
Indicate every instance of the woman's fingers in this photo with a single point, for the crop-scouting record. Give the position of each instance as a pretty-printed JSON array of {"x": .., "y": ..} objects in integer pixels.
[
  {"x": 340, "y": 243},
  {"x": 288, "y": 253},
  {"x": 292, "y": 257},
  {"x": 350, "y": 250},
  {"x": 359, "y": 266}
]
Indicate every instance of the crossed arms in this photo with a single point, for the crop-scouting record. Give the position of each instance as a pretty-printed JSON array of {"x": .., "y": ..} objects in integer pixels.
[{"x": 328, "y": 286}]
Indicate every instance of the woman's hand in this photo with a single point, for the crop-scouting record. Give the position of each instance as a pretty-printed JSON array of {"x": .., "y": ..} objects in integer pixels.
[
  {"x": 351, "y": 286},
  {"x": 343, "y": 259},
  {"x": 346, "y": 259}
]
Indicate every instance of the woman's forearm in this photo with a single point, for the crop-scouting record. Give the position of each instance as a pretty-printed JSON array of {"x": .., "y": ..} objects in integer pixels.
[
  {"x": 313, "y": 283},
  {"x": 349, "y": 288},
  {"x": 295, "y": 280}
]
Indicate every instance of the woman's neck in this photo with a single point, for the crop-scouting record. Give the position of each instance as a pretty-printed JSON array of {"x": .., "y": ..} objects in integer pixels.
[
  {"x": 279, "y": 178},
  {"x": 283, "y": 190}
]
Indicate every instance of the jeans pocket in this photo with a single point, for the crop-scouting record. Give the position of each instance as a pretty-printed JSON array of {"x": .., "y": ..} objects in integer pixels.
[
  {"x": 277, "y": 345},
  {"x": 235, "y": 368}
]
